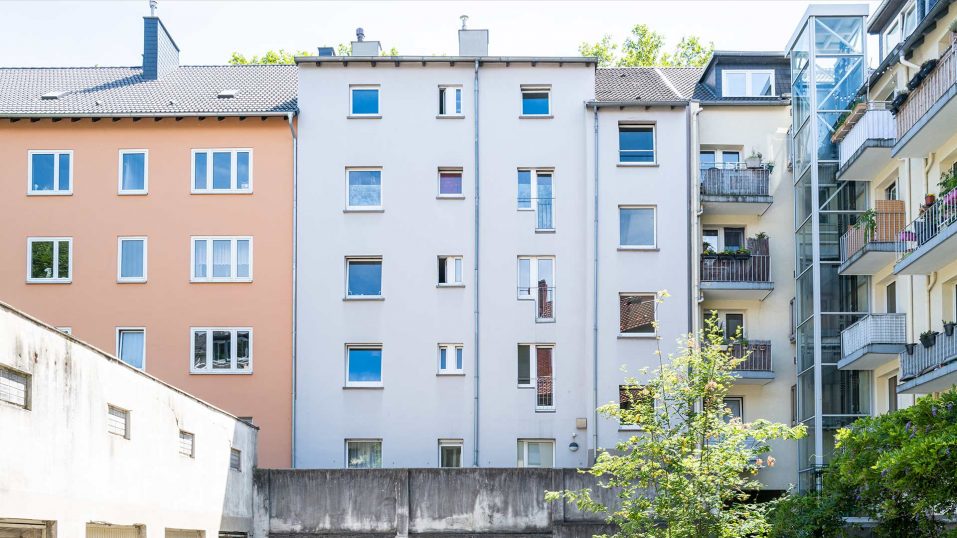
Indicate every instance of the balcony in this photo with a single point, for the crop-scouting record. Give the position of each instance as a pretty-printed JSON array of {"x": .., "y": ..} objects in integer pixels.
[
  {"x": 866, "y": 250},
  {"x": 929, "y": 242},
  {"x": 929, "y": 369},
  {"x": 733, "y": 189},
  {"x": 756, "y": 368},
  {"x": 866, "y": 138},
  {"x": 926, "y": 119},
  {"x": 736, "y": 277},
  {"x": 873, "y": 341},
  {"x": 542, "y": 207},
  {"x": 544, "y": 393},
  {"x": 544, "y": 297}
]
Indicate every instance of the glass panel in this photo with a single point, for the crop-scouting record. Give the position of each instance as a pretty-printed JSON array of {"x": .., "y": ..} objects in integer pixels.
[
  {"x": 734, "y": 326},
  {"x": 707, "y": 159},
  {"x": 365, "y": 277},
  {"x": 838, "y": 35},
  {"x": 534, "y": 103},
  {"x": 132, "y": 344},
  {"x": 64, "y": 173},
  {"x": 451, "y": 456},
  {"x": 458, "y": 358},
  {"x": 222, "y": 258},
  {"x": 524, "y": 189},
  {"x": 42, "y": 171},
  {"x": 364, "y": 454},
  {"x": 545, "y": 270},
  {"x": 842, "y": 293},
  {"x": 637, "y": 314},
  {"x": 131, "y": 258},
  {"x": 799, "y": 54},
  {"x": 709, "y": 239},
  {"x": 458, "y": 100},
  {"x": 805, "y": 295},
  {"x": 450, "y": 183},
  {"x": 242, "y": 350},
  {"x": 134, "y": 171},
  {"x": 838, "y": 80},
  {"x": 199, "y": 349},
  {"x": 730, "y": 157},
  {"x": 735, "y": 85},
  {"x": 365, "y": 188},
  {"x": 222, "y": 350},
  {"x": 41, "y": 259},
  {"x": 524, "y": 276},
  {"x": 222, "y": 169},
  {"x": 845, "y": 392},
  {"x": 365, "y": 101},
  {"x": 806, "y": 384},
  {"x": 242, "y": 258},
  {"x": 443, "y": 358},
  {"x": 805, "y": 345},
  {"x": 544, "y": 201},
  {"x": 442, "y": 92},
  {"x": 636, "y": 144},
  {"x": 761, "y": 84},
  {"x": 802, "y": 106},
  {"x": 735, "y": 405},
  {"x": 524, "y": 365},
  {"x": 199, "y": 258},
  {"x": 734, "y": 238},
  {"x": 199, "y": 171},
  {"x": 802, "y": 198},
  {"x": 458, "y": 270},
  {"x": 365, "y": 365},
  {"x": 534, "y": 455},
  {"x": 63, "y": 259},
  {"x": 242, "y": 170},
  {"x": 637, "y": 226}
]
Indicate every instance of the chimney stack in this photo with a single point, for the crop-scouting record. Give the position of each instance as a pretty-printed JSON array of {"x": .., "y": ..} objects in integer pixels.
[
  {"x": 472, "y": 42},
  {"x": 160, "y": 53},
  {"x": 361, "y": 47}
]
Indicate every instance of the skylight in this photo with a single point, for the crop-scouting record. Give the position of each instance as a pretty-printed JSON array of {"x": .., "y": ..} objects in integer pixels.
[
  {"x": 227, "y": 94},
  {"x": 53, "y": 95}
]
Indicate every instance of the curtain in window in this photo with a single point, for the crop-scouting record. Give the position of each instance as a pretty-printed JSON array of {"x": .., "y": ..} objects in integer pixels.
[
  {"x": 364, "y": 455},
  {"x": 199, "y": 259},
  {"x": 131, "y": 258},
  {"x": 221, "y": 258},
  {"x": 365, "y": 188},
  {"x": 242, "y": 258},
  {"x": 132, "y": 347}
]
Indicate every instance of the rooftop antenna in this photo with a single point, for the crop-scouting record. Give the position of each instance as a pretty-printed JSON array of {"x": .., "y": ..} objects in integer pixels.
[
  {"x": 465, "y": 19},
  {"x": 153, "y": 6},
  {"x": 360, "y": 34}
]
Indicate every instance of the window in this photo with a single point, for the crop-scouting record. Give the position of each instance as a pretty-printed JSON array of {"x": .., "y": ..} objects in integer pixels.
[
  {"x": 910, "y": 19},
  {"x": 890, "y": 298},
  {"x": 633, "y": 398},
  {"x": 50, "y": 172},
  {"x": 131, "y": 259},
  {"x": 745, "y": 83},
  {"x": 363, "y": 189},
  {"x": 363, "y": 277},
  {"x": 535, "y": 101},
  {"x": 892, "y": 37},
  {"x": 222, "y": 259},
  {"x": 720, "y": 239},
  {"x": 49, "y": 259},
  {"x": 892, "y": 394},
  {"x": 450, "y": 359},
  {"x": 794, "y": 406},
  {"x": 636, "y": 227},
  {"x": 536, "y": 281},
  {"x": 536, "y": 453},
  {"x": 542, "y": 368},
  {"x": 187, "y": 444},
  {"x": 637, "y": 314},
  {"x": 636, "y": 144},
  {"x": 450, "y": 453},
  {"x": 221, "y": 350},
  {"x": 235, "y": 459},
  {"x": 535, "y": 194},
  {"x": 118, "y": 421},
  {"x": 450, "y": 270},
  {"x": 14, "y": 387},
  {"x": 364, "y": 366},
  {"x": 131, "y": 346},
  {"x": 363, "y": 454},
  {"x": 450, "y": 183},
  {"x": 736, "y": 405},
  {"x": 734, "y": 325},
  {"x": 734, "y": 238},
  {"x": 706, "y": 159},
  {"x": 364, "y": 101},
  {"x": 890, "y": 193},
  {"x": 222, "y": 171},
  {"x": 133, "y": 171},
  {"x": 450, "y": 100}
]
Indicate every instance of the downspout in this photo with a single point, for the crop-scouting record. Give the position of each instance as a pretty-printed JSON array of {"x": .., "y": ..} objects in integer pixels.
[
  {"x": 475, "y": 120},
  {"x": 295, "y": 254},
  {"x": 932, "y": 278},
  {"x": 910, "y": 279},
  {"x": 692, "y": 220},
  {"x": 595, "y": 296}
]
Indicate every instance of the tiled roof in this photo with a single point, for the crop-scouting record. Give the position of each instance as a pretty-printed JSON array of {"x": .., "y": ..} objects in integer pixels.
[
  {"x": 122, "y": 91},
  {"x": 643, "y": 83}
]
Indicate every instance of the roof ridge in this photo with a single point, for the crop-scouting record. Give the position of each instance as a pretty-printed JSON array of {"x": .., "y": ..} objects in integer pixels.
[{"x": 669, "y": 83}]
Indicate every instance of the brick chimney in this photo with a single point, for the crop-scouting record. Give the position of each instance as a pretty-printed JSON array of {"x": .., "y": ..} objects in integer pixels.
[{"x": 160, "y": 53}]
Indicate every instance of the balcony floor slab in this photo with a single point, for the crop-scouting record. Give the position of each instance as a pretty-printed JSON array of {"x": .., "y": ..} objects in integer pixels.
[
  {"x": 730, "y": 291},
  {"x": 936, "y": 380},
  {"x": 934, "y": 127},
  {"x": 936, "y": 253},
  {"x": 868, "y": 160},
  {"x": 735, "y": 205},
  {"x": 870, "y": 259},
  {"x": 748, "y": 377},
  {"x": 871, "y": 357}
]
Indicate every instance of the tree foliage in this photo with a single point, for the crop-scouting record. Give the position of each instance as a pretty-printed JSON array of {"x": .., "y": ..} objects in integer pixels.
[
  {"x": 899, "y": 469},
  {"x": 646, "y": 48},
  {"x": 690, "y": 468},
  {"x": 280, "y": 56}
]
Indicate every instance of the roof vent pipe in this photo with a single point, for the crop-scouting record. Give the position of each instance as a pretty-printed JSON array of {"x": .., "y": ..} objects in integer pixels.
[{"x": 360, "y": 34}]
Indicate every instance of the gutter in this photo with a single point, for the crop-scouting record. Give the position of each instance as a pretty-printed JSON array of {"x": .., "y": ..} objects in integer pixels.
[
  {"x": 447, "y": 59},
  {"x": 475, "y": 120},
  {"x": 43, "y": 115},
  {"x": 295, "y": 256},
  {"x": 598, "y": 104},
  {"x": 595, "y": 299}
]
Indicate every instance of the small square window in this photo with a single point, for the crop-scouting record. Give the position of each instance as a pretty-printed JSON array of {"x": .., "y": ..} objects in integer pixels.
[
  {"x": 451, "y": 359},
  {"x": 50, "y": 172},
  {"x": 450, "y": 270},
  {"x": 131, "y": 259},
  {"x": 536, "y": 101},
  {"x": 49, "y": 259},
  {"x": 637, "y": 314},
  {"x": 14, "y": 387},
  {"x": 536, "y": 453},
  {"x": 450, "y": 100},
  {"x": 450, "y": 453},
  {"x": 134, "y": 170},
  {"x": 450, "y": 182},
  {"x": 131, "y": 346},
  {"x": 364, "y": 100},
  {"x": 636, "y": 227},
  {"x": 235, "y": 459},
  {"x": 363, "y": 189},
  {"x": 636, "y": 144},
  {"x": 363, "y": 277},
  {"x": 187, "y": 444},
  {"x": 363, "y": 454},
  {"x": 363, "y": 366},
  {"x": 118, "y": 421}
]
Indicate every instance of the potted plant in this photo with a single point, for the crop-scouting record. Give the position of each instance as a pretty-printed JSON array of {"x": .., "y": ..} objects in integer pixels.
[
  {"x": 754, "y": 159},
  {"x": 742, "y": 254},
  {"x": 770, "y": 166},
  {"x": 928, "y": 338},
  {"x": 907, "y": 235},
  {"x": 708, "y": 253},
  {"x": 898, "y": 101},
  {"x": 949, "y": 327},
  {"x": 867, "y": 221},
  {"x": 909, "y": 348},
  {"x": 726, "y": 253}
]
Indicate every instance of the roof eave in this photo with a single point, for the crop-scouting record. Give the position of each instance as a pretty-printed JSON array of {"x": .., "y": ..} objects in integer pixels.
[
  {"x": 44, "y": 115},
  {"x": 601, "y": 104},
  {"x": 448, "y": 59}
]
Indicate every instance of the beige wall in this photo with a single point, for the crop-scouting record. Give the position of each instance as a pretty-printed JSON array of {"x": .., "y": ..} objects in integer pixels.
[{"x": 94, "y": 304}]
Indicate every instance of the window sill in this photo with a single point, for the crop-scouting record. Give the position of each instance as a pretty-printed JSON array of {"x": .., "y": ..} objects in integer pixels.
[
  {"x": 637, "y": 336},
  {"x": 131, "y": 281},
  {"x": 222, "y": 191},
  {"x": 364, "y": 298},
  {"x": 49, "y": 193},
  {"x": 453, "y": 374},
  {"x": 222, "y": 372},
  {"x": 450, "y": 285},
  {"x": 371, "y": 210},
  {"x": 50, "y": 281},
  {"x": 364, "y": 117},
  {"x": 544, "y": 409},
  {"x": 132, "y": 193},
  {"x": 552, "y": 320},
  {"x": 638, "y": 165},
  {"x": 450, "y": 116},
  {"x": 638, "y": 249},
  {"x": 450, "y": 197},
  {"x": 526, "y": 386},
  {"x": 369, "y": 387},
  {"x": 544, "y": 230},
  {"x": 624, "y": 428},
  {"x": 221, "y": 281},
  {"x": 535, "y": 116}
]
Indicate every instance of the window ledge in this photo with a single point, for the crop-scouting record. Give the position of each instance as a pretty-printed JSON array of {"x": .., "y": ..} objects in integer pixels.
[
  {"x": 220, "y": 281},
  {"x": 450, "y": 197},
  {"x": 638, "y": 249},
  {"x": 132, "y": 193},
  {"x": 223, "y": 372},
  {"x": 450, "y": 116},
  {"x": 353, "y": 387},
  {"x": 535, "y": 116},
  {"x": 450, "y": 285},
  {"x": 50, "y": 281},
  {"x": 623, "y": 428},
  {"x": 544, "y": 230},
  {"x": 526, "y": 386},
  {"x": 639, "y": 336},
  {"x": 49, "y": 193},
  {"x": 222, "y": 191},
  {"x": 131, "y": 281},
  {"x": 638, "y": 165},
  {"x": 364, "y": 298},
  {"x": 544, "y": 409},
  {"x": 364, "y": 117},
  {"x": 373, "y": 210},
  {"x": 545, "y": 320},
  {"x": 454, "y": 374}
]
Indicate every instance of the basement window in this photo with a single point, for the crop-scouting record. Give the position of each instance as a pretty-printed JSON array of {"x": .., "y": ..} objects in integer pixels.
[{"x": 118, "y": 421}]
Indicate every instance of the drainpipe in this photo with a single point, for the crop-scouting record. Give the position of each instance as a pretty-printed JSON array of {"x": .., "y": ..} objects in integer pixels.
[
  {"x": 295, "y": 238},
  {"x": 475, "y": 120},
  {"x": 692, "y": 219},
  {"x": 595, "y": 297},
  {"x": 910, "y": 279}
]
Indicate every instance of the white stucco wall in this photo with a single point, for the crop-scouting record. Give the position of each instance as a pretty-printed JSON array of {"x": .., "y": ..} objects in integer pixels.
[{"x": 59, "y": 463}]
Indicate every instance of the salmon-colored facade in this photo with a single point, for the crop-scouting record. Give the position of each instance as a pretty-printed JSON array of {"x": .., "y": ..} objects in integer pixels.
[{"x": 94, "y": 304}]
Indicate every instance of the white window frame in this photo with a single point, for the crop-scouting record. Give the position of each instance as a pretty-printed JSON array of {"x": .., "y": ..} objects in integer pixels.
[
  {"x": 654, "y": 142},
  {"x": 455, "y": 443},
  {"x": 56, "y": 256},
  {"x": 377, "y": 88},
  {"x": 748, "y": 89},
  {"x": 897, "y": 26},
  {"x": 438, "y": 182},
  {"x": 654, "y": 228},
  {"x": 56, "y": 172},
  {"x": 119, "y": 259},
  {"x": 533, "y": 198},
  {"x": 191, "y": 437},
  {"x": 450, "y": 269},
  {"x": 120, "y": 330},
  {"x": 533, "y": 275},
  {"x": 448, "y": 99},
  {"x": 535, "y": 88},
  {"x": 361, "y": 440},
  {"x": 366, "y": 384},
  {"x": 146, "y": 173},
  {"x": 533, "y": 363},
  {"x": 450, "y": 359},
  {"x": 27, "y": 386},
  {"x": 381, "y": 295},
  {"x": 909, "y": 9},
  {"x": 525, "y": 442},
  {"x": 233, "y": 347},
  {"x": 126, "y": 420},
  {"x": 233, "y": 172},
  {"x": 233, "y": 258},
  {"x": 654, "y": 298},
  {"x": 371, "y": 208}
]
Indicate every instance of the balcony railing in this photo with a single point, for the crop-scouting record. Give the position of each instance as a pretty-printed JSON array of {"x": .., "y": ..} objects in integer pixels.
[
  {"x": 931, "y": 89},
  {"x": 756, "y": 355},
  {"x": 932, "y": 220},
  {"x": 734, "y": 268},
  {"x": 545, "y": 392},
  {"x": 870, "y": 121},
  {"x": 544, "y": 297},
  {"x": 889, "y": 220},
  {"x": 734, "y": 179},
  {"x": 874, "y": 329},
  {"x": 926, "y": 359},
  {"x": 544, "y": 216}
]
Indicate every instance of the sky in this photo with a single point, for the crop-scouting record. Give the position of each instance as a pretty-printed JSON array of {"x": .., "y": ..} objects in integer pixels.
[{"x": 110, "y": 33}]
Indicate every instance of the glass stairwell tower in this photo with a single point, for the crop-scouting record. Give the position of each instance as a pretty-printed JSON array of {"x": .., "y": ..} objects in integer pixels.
[{"x": 827, "y": 69}]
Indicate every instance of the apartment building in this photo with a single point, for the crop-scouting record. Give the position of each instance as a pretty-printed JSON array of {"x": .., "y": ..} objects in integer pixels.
[{"x": 148, "y": 211}]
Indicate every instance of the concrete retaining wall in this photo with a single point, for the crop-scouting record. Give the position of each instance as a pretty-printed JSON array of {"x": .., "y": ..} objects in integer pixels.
[{"x": 421, "y": 502}]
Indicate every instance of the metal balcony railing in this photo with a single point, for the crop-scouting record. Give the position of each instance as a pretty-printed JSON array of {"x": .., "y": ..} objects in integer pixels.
[
  {"x": 756, "y": 355},
  {"x": 873, "y": 121},
  {"x": 874, "y": 329},
  {"x": 889, "y": 220},
  {"x": 544, "y": 297},
  {"x": 925, "y": 227},
  {"x": 924, "y": 360},
  {"x": 931, "y": 89},
  {"x": 734, "y": 179},
  {"x": 545, "y": 392},
  {"x": 544, "y": 216},
  {"x": 724, "y": 268}
]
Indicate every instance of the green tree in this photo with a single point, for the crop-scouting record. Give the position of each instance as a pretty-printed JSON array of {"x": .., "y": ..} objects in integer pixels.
[
  {"x": 646, "y": 48},
  {"x": 687, "y": 472},
  {"x": 690, "y": 52},
  {"x": 642, "y": 48},
  {"x": 604, "y": 50},
  {"x": 280, "y": 56}
]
